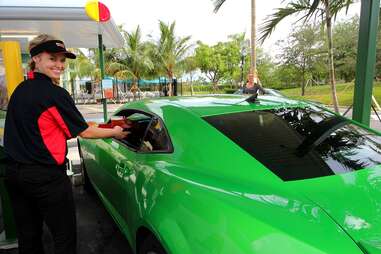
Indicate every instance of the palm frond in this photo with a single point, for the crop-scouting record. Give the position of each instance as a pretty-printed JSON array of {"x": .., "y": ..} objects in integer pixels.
[
  {"x": 124, "y": 74},
  {"x": 170, "y": 49},
  {"x": 217, "y": 5},
  {"x": 114, "y": 67},
  {"x": 274, "y": 19},
  {"x": 313, "y": 8},
  {"x": 338, "y": 5}
]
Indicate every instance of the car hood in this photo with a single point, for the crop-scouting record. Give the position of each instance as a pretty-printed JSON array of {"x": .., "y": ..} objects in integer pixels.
[{"x": 353, "y": 200}]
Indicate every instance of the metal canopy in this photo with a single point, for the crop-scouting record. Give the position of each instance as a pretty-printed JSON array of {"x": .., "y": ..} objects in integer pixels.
[{"x": 71, "y": 24}]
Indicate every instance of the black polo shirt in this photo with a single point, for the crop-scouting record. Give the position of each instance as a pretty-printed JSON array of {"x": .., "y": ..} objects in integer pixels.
[{"x": 40, "y": 118}]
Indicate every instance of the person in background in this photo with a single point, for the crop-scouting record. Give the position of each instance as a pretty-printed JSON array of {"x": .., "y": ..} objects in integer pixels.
[{"x": 41, "y": 117}]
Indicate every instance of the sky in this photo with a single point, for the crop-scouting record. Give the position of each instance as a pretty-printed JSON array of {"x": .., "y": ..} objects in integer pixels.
[
  {"x": 193, "y": 18},
  {"x": 197, "y": 19}
]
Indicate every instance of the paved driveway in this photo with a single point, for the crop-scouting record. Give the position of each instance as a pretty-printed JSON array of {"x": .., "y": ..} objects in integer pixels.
[{"x": 97, "y": 232}]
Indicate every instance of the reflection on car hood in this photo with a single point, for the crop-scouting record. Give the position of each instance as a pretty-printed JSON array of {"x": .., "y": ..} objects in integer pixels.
[{"x": 353, "y": 200}]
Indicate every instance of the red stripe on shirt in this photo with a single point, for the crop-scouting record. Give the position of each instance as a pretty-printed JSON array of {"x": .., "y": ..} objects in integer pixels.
[
  {"x": 61, "y": 123},
  {"x": 30, "y": 75},
  {"x": 54, "y": 133}
]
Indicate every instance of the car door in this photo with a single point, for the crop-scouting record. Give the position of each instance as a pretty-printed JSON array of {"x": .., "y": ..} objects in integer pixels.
[
  {"x": 134, "y": 165},
  {"x": 117, "y": 158},
  {"x": 140, "y": 190}
]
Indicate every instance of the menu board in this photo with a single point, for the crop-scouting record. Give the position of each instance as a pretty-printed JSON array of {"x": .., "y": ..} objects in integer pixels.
[{"x": 107, "y": 88}]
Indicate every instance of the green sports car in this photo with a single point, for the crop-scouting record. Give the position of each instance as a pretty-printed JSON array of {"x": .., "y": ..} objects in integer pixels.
[{"x": 235, "y": 175}]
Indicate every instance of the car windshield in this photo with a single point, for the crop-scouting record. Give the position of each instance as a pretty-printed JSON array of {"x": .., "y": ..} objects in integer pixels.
[{"x": 301, "y": 143}]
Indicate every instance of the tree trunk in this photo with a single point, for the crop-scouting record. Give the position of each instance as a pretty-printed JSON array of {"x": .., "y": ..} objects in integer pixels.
[
  {"x": 170, "y": 77},
  {"x": 191, "y": 85},
  {"x": 134, "y": 88},
  {"x": 303, "y": 76},
  {"x": 253, "y": 55},
  {"x": 330, "y": 57},
  {"x": 215, "y": 86},
  {"x": 170, "y": 92}
]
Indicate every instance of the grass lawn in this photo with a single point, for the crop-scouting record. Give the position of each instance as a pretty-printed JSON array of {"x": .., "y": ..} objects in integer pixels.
[{"x": 323, "y": 93}]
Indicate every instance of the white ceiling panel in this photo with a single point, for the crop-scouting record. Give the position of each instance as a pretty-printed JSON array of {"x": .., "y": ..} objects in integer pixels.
[{"x": 70, "y": 24}]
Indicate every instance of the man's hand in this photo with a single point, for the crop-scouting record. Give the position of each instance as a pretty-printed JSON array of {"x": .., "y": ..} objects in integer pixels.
[{"x": 119, "y": 133}]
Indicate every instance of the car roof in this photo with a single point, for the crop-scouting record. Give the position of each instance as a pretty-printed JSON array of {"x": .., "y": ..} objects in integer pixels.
[{"x": 212, "y": 104}]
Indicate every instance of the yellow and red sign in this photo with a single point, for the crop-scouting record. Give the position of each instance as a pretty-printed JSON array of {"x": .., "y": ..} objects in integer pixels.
[{"x": 97, "y": 11}]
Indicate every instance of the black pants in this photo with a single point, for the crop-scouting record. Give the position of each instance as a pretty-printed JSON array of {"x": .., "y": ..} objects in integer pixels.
[{"x": 40, "y": 194}]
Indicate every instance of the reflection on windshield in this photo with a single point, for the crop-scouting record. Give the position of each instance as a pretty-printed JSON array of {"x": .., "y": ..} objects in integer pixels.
[
  {"x": 345, "y": 149},
  {"x": 350, "y": 148},
  {"x": 301, "y": 143}
]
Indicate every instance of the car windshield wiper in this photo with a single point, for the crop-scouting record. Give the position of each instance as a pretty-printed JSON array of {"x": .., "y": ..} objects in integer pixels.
[{"x": 321, "y": 132}]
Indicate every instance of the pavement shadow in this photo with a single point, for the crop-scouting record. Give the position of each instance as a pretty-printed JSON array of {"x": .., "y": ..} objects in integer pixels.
[{"x": 97, "y": 232}]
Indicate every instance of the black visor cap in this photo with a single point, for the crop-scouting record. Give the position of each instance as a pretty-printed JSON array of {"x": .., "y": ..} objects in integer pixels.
[{"x": 52, "y": 46}]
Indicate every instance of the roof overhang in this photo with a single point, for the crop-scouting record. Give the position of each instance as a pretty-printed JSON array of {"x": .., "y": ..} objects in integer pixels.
[{"x": 71, "y": 24}]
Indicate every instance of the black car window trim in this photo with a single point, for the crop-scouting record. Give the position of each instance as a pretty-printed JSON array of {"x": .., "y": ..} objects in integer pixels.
[{"x": 170, "y": 148}]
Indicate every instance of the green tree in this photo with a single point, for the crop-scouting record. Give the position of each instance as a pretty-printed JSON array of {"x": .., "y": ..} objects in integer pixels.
[
  {"x": 212, "y": 62},
  {"x": 287, "y": 76},
  {"x": 304, "y": 49},
  {"x": 189, "y": 66},
  {"x": 93, "y": 55},
  {"x": 345, "y": 53},
  {"x": 232, "y": 57},
  {"x": 80, "y": 68},
  {"x": 253, "y": 48},
  {"x": 170, "y": 51},
  {"x": 132, "y": 61},
  {"x": 266, "y": 69},
  {"x": 238, "y": 58},
  {"x": 325, "y": 9}
]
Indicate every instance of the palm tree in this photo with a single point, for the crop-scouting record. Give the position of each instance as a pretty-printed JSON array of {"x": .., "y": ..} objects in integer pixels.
[
  {"x": 132, "y": 60},
  {"x": 80, "y": 67},
  {"x": 189, "y": 67},
  {"x": 326, "y": 9},
  {"x": 253, "y": 40},
  {"x": 170, "y": 51}
]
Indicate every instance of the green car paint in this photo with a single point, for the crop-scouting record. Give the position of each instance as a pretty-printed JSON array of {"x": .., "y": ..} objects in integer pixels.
[{"x": 207, "y": 195}]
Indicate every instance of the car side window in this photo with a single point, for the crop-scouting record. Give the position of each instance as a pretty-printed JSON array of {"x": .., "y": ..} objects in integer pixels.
[
  {"x": 147, "y": 132},
  {"x": 156, "y": 138},
  {"x": 138, "y": 123}
]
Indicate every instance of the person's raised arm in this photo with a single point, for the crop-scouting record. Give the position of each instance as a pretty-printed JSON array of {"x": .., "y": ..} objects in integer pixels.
[{"x": 95, "y": 132}]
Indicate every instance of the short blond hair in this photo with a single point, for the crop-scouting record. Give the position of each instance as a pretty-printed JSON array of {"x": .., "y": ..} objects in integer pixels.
[{"x": 36, "y": 41}]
